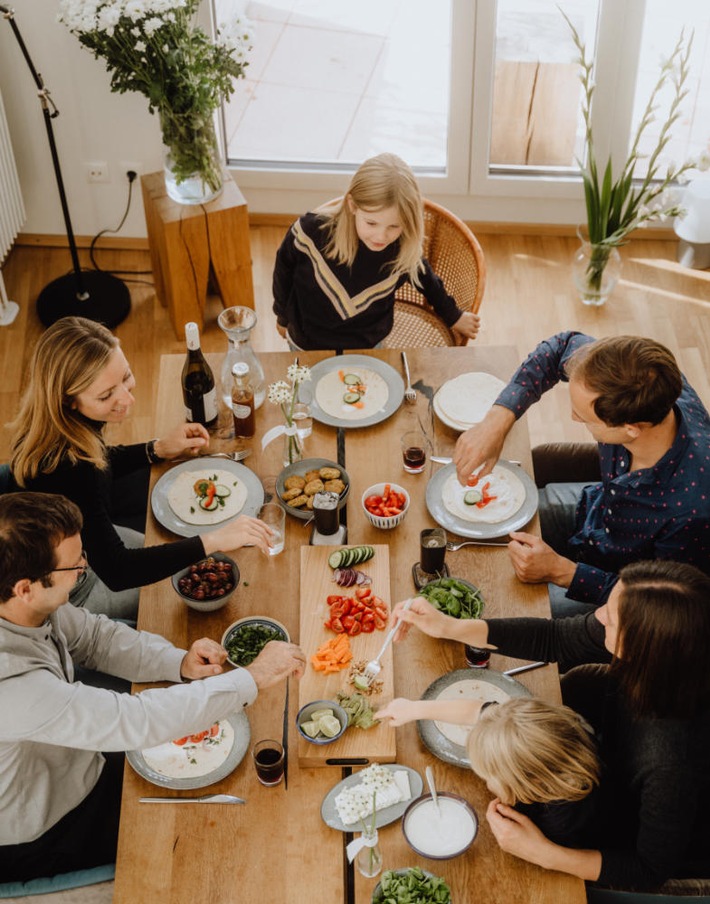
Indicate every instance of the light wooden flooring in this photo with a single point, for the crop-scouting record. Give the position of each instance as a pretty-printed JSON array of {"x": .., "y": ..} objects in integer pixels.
[{"x": 529, "y": 296}]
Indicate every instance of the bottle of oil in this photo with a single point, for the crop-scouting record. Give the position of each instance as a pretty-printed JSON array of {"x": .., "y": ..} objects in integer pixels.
[
  {"x": 198, "y": 387},
  {"x": 242, "y": 400}
]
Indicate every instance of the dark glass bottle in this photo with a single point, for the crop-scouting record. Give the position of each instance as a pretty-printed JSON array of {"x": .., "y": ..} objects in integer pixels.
[
  {"x": 198, "y": 387},
  {"x": 242, "y": 400}
]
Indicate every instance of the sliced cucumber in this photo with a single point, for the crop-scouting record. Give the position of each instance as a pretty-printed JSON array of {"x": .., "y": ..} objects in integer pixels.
[
  {"x": 221, "y": 490},
  {"x": 351, "y": 397},
  {"x": 352, "y": 380},
  {"x": 334, "y": 558},
  {"x": 354, "y": 555},
  {"x": 208, "y": 505},
  {"x": 471, "y": 497}
]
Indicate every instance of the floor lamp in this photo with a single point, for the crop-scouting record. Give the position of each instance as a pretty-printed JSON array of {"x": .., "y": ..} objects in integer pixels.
[{"x": 94, "y": 294}]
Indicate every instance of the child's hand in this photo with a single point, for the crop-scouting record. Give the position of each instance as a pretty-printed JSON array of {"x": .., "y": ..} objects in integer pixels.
[
  {"x": 399, "y": 712},
  {"x": 467, "y": 325}
]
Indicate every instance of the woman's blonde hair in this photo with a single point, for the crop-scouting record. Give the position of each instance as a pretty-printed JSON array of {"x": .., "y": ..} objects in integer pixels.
[
  {"x": 381, "y": 182},
  {"x": 67, "y": 359},
  {"x": 534, "y": 752}
]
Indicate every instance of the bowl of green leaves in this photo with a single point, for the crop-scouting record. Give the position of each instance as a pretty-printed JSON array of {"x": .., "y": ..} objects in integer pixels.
[
  {"x": 454, "y": 596},
  {"x": 411, "y": 886},
  {"x": 245, "y": 639}
]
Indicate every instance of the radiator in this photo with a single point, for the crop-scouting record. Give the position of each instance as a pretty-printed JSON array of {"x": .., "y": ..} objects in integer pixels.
[{"x": 12, "y": 211}]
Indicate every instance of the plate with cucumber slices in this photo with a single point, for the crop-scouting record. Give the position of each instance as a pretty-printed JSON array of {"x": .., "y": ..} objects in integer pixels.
[
  {"x": 195, "y": 496},
  {"x": 355, "y": 391}
]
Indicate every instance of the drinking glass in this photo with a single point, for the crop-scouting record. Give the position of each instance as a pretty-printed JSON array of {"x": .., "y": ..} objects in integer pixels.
[
  {"x": 415, "y": 447},
  {"x": 432, "y": 550},
  {"x": 269, "y": 760},
  {"x": 275, "y": 519}
]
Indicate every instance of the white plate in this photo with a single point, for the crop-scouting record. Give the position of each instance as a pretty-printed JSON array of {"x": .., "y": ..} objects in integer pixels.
[
  {"x": 395, "y": 386},
  {"x": 242, "y": 739},
  {"x": 441, "y": 746},
  {"x": 384, "y": 817},
  {"x": 167, "y": 517},
  {"x": 461, "y": 426},
  {"x": 483, "y": 530}
]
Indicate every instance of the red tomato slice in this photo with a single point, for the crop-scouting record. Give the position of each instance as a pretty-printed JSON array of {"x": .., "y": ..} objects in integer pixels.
[
  {"x": 347, "y": 605},
  {"x": 337, "y": 611},
  {"x": 355, "y": 629},
  {"x": 368, "y": 616},
  {"x": 348, "y": 621},
  {"x": 380, "y": 623},
  {"x": 362, "y": 593},
  {"x": 333, "y": 599},
  {"x": 214, "y": 731},
  {"x": 372, "y": 502},
  {"x": 200, "y": 736},
  {"x": 181, "y": 741},
  {"x": 368, "y": 627},
  {"x": 337, "y": 626}
]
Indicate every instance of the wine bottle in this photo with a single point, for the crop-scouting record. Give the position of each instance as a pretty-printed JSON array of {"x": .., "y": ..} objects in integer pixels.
[{"x": 198, "y": 387}]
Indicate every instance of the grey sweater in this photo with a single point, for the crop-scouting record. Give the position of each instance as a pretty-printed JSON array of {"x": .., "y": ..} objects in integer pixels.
[{"x": 52, "y": 729}]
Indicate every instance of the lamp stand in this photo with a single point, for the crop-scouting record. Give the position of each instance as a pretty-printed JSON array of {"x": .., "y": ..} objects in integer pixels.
[{"x": 94, "y": 294}]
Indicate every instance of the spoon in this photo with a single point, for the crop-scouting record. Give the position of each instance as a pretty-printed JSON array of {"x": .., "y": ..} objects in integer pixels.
[{"x": 432, "y": 788}]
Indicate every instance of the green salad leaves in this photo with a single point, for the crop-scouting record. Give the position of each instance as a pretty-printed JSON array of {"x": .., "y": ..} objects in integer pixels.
[
  {"x": 454, "y": 597},
  {"x": 411, "y": 886}
]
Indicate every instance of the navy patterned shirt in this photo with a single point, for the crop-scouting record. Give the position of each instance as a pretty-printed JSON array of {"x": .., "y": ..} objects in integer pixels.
[{"x": 662, "y": 512}]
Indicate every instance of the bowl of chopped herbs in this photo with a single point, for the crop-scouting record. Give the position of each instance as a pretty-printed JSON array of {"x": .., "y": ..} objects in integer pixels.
[
  {"x": 454, "y": 596},
  {"x": 246, "y": 638}
]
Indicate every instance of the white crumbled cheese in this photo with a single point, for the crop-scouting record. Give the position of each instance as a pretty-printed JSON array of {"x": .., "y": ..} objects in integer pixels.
[{"x": 355, "y": 802}]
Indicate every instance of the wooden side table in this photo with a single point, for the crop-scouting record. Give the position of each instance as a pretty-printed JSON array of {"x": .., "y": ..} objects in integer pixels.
[{"x": 190, "y": 243}]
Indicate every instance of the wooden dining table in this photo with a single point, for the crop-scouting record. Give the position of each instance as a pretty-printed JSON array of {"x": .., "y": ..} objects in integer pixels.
[{"x": 277, "y": 847}]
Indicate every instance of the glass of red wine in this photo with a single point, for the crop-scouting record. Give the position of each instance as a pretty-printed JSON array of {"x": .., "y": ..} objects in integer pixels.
[
  {"x": 269, "y": 762},
  {"x": 415, "y": 448}
]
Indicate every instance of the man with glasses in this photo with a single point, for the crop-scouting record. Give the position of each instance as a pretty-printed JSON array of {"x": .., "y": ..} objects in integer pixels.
[{"x": 60, "y": 796}]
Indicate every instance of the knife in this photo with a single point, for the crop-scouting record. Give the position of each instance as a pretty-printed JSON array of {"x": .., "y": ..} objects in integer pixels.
[
  {"x": 445, "y": 460},
  {"x": 206, "y": 799},
  {"x": 525, "y": 668}
]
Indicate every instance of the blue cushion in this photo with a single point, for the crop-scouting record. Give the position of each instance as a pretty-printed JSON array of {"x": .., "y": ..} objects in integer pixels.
[{"x": 63, "y": 881}]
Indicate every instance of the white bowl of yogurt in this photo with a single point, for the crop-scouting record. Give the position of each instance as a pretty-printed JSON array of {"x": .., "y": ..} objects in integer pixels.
[{"x": 443, "y": 833}]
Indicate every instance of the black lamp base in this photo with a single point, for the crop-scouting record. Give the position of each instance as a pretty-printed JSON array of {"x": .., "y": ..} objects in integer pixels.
[{"x": 107, "y": 301}]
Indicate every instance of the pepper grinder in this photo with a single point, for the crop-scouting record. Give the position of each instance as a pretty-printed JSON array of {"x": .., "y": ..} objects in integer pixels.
[{"x": 327, "y": 530}]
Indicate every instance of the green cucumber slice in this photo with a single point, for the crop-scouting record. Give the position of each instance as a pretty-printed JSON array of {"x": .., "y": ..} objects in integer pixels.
[
  {"x": 351, "y": 397},
  {"x": 334, "y": 558},
  {"x": 208, "y": 506},
  {"x": 471, "y": 497},
  {"x": 221, "y": 490},
  {"x": 352, "y": 380}
]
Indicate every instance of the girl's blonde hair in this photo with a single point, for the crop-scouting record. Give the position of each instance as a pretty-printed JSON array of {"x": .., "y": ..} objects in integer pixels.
[
  {"x": 534, "y": 752},
  {"x": 67, "y": 359},
  {"x": 381, "y": 182}
]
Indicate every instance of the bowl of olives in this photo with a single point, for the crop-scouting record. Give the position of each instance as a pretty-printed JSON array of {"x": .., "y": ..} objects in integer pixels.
[{"x": 208, "y": 584}]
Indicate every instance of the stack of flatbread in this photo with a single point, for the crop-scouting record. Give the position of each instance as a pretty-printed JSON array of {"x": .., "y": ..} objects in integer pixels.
[{"x": 464, "y": 401}]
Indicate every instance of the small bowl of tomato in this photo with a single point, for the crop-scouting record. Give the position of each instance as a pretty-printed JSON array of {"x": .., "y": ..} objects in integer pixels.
[{"x": 385, "y": 505}]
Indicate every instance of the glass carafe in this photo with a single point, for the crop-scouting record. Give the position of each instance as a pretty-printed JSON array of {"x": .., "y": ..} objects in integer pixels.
[{"x": 237, "y": 323}]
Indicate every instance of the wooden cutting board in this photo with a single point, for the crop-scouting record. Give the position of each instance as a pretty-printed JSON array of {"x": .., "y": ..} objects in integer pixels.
[{"x": 375, "y": 744}]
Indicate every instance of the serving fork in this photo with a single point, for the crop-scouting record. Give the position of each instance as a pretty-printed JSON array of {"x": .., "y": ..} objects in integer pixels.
[
  {"x": 409, "y": 394},
  {"x": 373, "y": 667},
  {"x": 454, "y": 547}
]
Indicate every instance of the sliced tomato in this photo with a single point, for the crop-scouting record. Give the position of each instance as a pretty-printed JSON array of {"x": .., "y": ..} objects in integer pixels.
[
  {"x": 336, "y": 611},
  {"x": 348, "y": 621},
  {"x": 368, "y": 627},
  {"x": 346, "y": 605},
  {"x": 328, "y": 624},
  {"x": 372, "y": 502},
  {"x": 355, "y": 630},
  {"x": 362, "y": 593},
  {"x": 181, "y": 741},
  {"x": 214, "y": 731},
  {"x": 359, "y": 615},
  {"x": 380, "y": 623},
  {"x": 337, "y": 626},
  {"x": 331, "y": 600},
  {"x": 368, "y": 616},
  {"x": 200, "y": 736}
]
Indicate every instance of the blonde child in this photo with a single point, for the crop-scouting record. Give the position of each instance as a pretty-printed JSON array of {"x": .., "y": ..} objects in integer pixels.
[{"x": 339, "y": 266}]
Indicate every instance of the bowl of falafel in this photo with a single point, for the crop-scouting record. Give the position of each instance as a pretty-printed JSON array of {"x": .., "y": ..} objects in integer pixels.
[{"x": 298, "y": 483}]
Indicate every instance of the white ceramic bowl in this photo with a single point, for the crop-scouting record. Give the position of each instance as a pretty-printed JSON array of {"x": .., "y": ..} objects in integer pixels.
[
  {"x": 440, "y": 837},
  {"x": 304, "y": 714},
  {"x": 385, "y": 523},
  {"x": 205, "y": 604}
]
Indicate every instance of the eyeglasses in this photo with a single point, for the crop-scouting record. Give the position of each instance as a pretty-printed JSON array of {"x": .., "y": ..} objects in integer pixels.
[{"x": 80, "y": 568}]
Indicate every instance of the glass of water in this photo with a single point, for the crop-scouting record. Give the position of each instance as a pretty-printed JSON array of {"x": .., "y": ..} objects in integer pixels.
[{"x": 274, "y": 517}]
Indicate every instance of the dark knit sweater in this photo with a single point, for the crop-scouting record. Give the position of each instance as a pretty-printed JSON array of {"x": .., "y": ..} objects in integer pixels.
[
  {"x": 655, "y": 792},
  {"x": 117, "y": 566},
  {"x": 332, "y": 306}
]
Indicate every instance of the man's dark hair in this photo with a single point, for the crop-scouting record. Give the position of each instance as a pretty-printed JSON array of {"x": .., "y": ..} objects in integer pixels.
[
  {"x": 32, "y": 525},
  {"x": 637, "y": 380}
]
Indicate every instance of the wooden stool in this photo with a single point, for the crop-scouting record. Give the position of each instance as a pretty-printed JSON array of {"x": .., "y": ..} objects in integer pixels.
[{"x": 189, "y": 243}]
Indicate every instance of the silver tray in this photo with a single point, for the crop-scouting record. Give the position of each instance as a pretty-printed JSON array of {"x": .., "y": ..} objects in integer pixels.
[
  {"x": 433, "y": 739},
  {"x": 482, "y": 531},
  {"x": 167, "y": 517},
  {"x": 242, "y": 739},
  {"x": 395, "y": 385}
]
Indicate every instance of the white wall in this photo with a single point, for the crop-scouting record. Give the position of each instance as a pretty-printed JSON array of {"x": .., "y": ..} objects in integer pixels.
[{"x": 94, "y": 124}]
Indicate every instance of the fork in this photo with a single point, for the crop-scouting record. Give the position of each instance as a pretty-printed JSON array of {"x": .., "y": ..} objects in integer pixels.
[
  {"x": 373, "y": 667},
  {"x": 453, "y": 547},
  {"x": 239, "y": 455},
  {"x": 409, "y": 394}
]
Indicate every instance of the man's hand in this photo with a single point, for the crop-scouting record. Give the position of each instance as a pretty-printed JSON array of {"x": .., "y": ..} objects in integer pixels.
[
  {"x": 467, "y": 325},
  {"x": 204, "y": 658},
  {"x": 277, "y": 661},
  {"x": 481, "y": 445},
  {"x": 515, "y": 833},
  {"x": 535, "y": 562},
  {"x": 185, "y": 439}
]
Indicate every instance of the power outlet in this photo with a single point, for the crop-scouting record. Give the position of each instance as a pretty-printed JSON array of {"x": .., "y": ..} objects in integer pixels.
[
  {"x": 97, "y": 171},
  {"x": 128, "y": 166}
]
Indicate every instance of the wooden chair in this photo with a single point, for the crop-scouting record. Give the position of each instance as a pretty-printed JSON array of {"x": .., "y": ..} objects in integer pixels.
[{"x": 456, "y": 257}]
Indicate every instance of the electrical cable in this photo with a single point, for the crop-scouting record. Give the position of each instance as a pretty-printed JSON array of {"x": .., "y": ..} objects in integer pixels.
[{"x": 131, "y": 179}]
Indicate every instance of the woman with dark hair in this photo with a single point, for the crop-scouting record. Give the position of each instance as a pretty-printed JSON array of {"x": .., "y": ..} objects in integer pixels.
[{"x": 650, "y": 709}]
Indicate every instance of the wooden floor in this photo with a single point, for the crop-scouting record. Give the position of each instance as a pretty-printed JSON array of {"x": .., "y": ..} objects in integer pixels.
[{"x": 529, "y": 296}]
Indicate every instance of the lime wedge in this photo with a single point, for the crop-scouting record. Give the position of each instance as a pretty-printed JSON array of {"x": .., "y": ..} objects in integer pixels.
[
  {"x": 319, "y": 714},
  {"x": 329, "y": 726},
  {"x": 310, "y": 728}
]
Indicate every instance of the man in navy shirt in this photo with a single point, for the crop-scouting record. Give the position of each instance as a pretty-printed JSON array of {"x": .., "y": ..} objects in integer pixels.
[{"x": 653, "y": 432}]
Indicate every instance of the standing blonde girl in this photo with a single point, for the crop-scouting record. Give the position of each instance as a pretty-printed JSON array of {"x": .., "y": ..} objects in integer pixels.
[{"x": 338, "y": 268}]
